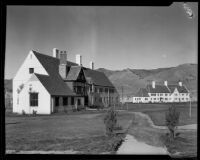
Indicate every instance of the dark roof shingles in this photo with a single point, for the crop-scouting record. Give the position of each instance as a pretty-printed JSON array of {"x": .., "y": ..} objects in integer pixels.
[
  {"x": 98, "y": 78},
  {"x": 158, "y": 89}
]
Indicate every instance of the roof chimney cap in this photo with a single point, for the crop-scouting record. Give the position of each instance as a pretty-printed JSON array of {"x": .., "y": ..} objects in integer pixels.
[
  {"x": 180, "y": 83},
  {"x": 55, "y": 53},
  {"x": 79, "y": 59},
  {"x": 165, "y": 83},
  {"x": 92, "y": 65},
  {"x": 153, "y": 84}
]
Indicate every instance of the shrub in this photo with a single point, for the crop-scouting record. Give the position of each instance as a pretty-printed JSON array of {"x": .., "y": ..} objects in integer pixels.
[
  {"x": 34, "y": 113},
  {"x": 110, "y": 121},
  {"x": 23, "y": 112},
  {"x": 172, "y": 120}
]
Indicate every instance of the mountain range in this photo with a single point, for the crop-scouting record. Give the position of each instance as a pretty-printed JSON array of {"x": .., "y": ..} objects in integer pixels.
[{"x": 128, "y": 81}]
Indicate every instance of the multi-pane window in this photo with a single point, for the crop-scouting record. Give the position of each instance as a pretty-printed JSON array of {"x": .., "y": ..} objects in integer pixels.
[
  {"x": 31, "y": 70},
  {"x": 34, "y": 99},
  {"x": 153, "y": 94},
  {"x": 165, "y": 94}
]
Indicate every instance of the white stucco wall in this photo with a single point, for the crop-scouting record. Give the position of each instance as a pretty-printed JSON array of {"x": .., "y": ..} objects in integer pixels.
[
  {"x": 44, "y": 98},
  {"x": 22, "y": 75}
]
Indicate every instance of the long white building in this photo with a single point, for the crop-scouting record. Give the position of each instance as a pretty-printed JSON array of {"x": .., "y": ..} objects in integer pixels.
[{"x": 155, "y": 93}]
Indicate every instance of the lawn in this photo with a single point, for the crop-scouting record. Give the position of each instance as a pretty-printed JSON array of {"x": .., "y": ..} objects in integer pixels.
[
  {"x": 157, "y": 112},
  {"x": 185, "y": 144},
  {"x": 82, "y": 132}
]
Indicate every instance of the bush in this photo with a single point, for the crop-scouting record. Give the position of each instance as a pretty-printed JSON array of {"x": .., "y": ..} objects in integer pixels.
[
  {"x": 34, "y": 113},
  {"x": 172, "y": 120},
  {"x": 23, "y": 112},
  {"x": 110, "y": 121}
]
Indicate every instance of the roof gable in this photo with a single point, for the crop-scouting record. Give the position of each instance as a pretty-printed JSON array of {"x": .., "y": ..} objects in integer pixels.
[
  {"x": 181, "y": 89},
  {"x": 73, "y": 73}
]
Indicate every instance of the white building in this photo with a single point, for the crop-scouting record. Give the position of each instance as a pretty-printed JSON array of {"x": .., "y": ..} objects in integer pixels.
[
  {"x": 141, "y": 96},
  {"x": 162, "y": 93},
  {"x": 48, "y": 84}
]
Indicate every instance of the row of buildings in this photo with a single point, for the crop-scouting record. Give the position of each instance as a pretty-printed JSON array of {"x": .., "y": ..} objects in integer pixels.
[
  {"x": 156, "y": 93},
  {"x": 47, "y": 84}
]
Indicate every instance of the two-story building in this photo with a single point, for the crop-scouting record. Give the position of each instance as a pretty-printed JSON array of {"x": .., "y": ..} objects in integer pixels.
[{"x": 47, "y": 84}]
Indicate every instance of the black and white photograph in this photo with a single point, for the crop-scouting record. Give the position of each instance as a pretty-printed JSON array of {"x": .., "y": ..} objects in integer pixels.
[{"x": 101, "y": 80}]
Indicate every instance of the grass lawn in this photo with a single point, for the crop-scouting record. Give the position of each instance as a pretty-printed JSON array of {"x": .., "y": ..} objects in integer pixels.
[
  {"x": 80, "y": 131},
  {"x": 185, "y": 143},
  {"x": 157, "y": 112}
]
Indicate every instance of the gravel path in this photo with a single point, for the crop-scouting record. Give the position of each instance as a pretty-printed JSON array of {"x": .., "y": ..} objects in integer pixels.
[{"x": 132, "y": 146}]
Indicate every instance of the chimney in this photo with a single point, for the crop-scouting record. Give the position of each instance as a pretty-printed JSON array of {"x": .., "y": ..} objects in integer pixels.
[
  {"x": 153, "y": 84},
  {"x": 63, "y": 64},
  {"x": 55, "y": 53},
  {"x": 79, "y": 59},
  {"x": 180, "y": 83},
  {"x": 165, "y": 83},
  {"x": 92, "y": 65}
]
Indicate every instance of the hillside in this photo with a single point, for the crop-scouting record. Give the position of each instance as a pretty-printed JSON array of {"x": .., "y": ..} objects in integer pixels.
[
  {"x": 133, "y": 79},
  {"x": 8, "y": 85}
]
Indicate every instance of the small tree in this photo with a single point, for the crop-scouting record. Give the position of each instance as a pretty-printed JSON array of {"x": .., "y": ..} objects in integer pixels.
[
  {"x": 172, "y": 120},
  {"x": 110, "y": 121}
]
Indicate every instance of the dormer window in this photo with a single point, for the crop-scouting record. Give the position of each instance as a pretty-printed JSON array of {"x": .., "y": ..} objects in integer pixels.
[{"x": 31, "y": 70}]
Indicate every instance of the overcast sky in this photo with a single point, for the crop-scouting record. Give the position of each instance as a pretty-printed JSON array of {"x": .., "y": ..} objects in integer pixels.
[{"x": 113, "y": 37}]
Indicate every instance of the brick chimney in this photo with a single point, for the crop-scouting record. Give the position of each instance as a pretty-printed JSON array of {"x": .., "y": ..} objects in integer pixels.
[
  {"x": 165, "y": 83},
  {"x": 92, "y": 65},
  {"x": 55, "y": 53},
  {"x": 63, "y": 65},
  {"x": 79, "y": 59},
  {"x": 153, "y": 84}
]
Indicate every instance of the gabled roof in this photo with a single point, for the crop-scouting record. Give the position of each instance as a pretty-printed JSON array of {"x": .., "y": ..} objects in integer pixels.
[
  {"x": 53, "y": 82},
  {"x": 142, "y": 93},
  {"x": 157, "y": 89},
  {"x": 181, "y": 89},
  {"x": 54, "y": 86},
  {"x": 51, "y": 65},
  {"x": 73, "y": 73},
  {"x": 98, "y": 78}
]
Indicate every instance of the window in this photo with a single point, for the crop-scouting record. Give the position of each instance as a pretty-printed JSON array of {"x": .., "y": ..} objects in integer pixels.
[
  {"x": 31, "y": 70},
  {"x": 165, "y": 94},
  {"x": 153, "y": 94},
  {"x": 65, "y": 101},
  {"x": 161, "y": 94},
  {"x": 154, "y": 98},
  {"x": 33, "y": 99},
  {"x": 166, "y": 99},
  {"x": 79, "y": 102},
  {"x": 72, "y": 101},
  {"x": 146, "y": 98}
]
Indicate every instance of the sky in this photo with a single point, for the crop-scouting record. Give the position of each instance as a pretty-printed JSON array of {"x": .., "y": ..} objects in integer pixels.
[{"x": 113, "y": 37}]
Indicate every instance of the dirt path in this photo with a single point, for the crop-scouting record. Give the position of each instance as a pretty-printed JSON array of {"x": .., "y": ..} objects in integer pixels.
[{"x": 133, "y": 146}]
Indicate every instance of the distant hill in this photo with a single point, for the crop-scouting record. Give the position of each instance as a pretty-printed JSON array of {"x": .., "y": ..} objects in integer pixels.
[
  {"x": 133, "y": 79},
  {"x": 8, "y": 85}
]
